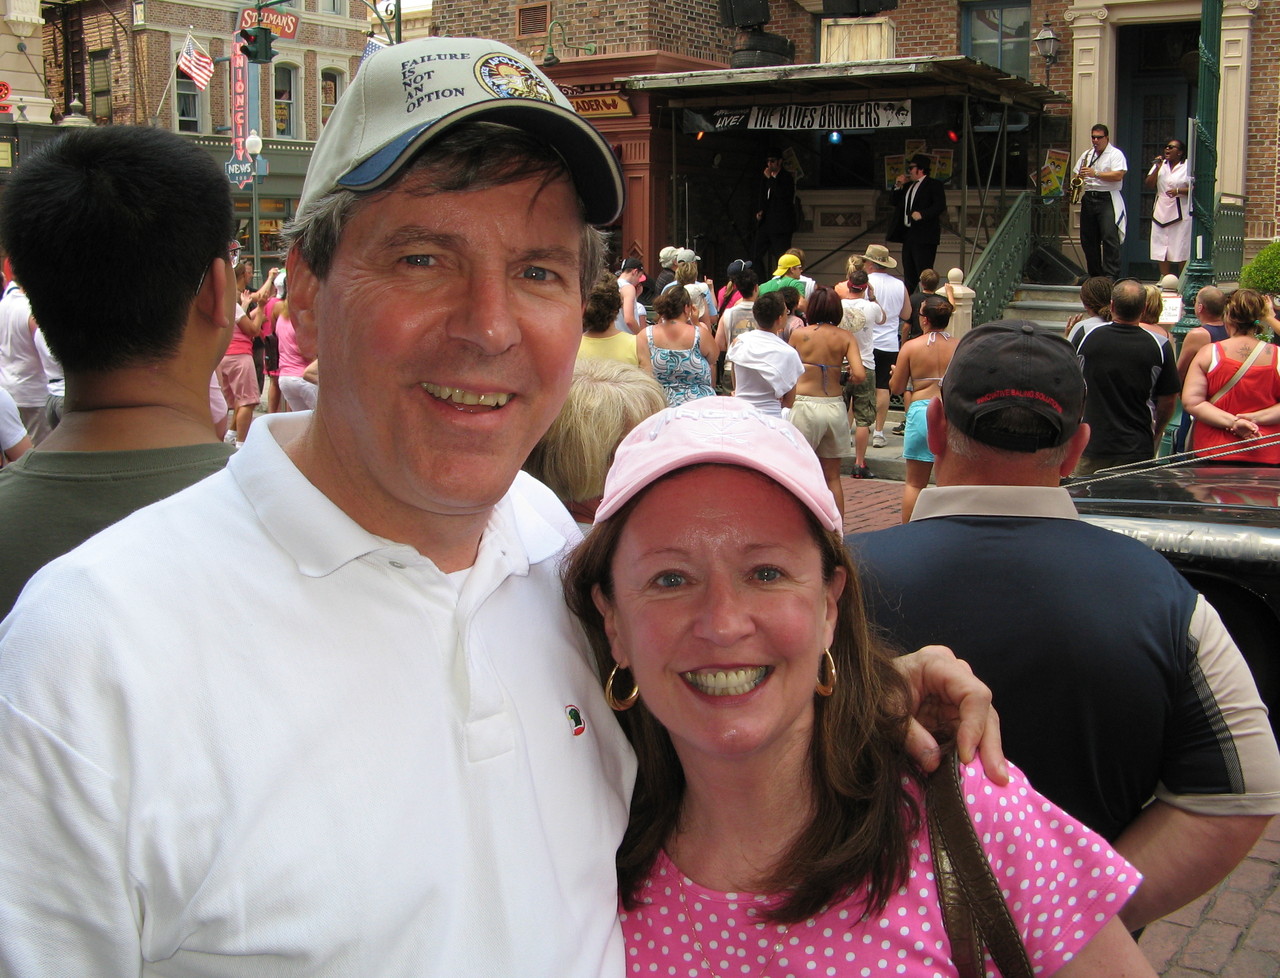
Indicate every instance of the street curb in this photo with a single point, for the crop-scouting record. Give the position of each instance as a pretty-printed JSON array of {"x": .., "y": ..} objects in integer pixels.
[{"x": 884, "y": 463}]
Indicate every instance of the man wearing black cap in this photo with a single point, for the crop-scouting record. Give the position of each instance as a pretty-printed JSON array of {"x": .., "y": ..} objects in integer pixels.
[
  {"x": 918, "y": 204},
  {"x": 1109, "y": 691}
]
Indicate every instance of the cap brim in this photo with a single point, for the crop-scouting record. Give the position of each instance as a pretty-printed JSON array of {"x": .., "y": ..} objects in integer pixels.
[
  {"x": 822, "y": 507},
  {"x": 589, "y": 159}
]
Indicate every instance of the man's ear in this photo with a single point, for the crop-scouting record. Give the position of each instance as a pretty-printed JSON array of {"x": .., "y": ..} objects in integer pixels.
[
  {"x": 216, "y": 300},
  {"x": 301, "y": 289},
  {"x": 1075, "y": 448}
]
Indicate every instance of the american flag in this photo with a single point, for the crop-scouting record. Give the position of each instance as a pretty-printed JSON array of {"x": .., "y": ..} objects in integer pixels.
[
  {"x": 372, "y": 47},
  {"x": 196, "y": 63}
]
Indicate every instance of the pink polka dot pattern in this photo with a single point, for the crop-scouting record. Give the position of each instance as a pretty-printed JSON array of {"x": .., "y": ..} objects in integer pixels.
[{"x": 1060, "y": 880}]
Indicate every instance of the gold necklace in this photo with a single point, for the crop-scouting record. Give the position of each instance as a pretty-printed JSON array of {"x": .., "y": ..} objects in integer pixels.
[{"x": 697, "y": 945}]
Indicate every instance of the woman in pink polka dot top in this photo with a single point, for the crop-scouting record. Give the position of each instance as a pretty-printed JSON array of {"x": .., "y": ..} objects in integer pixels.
[{"x": 776, "y": 826}]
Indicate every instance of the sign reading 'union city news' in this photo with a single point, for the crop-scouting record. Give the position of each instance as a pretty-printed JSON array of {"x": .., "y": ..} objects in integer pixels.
[{"x": 833, "y": 115}]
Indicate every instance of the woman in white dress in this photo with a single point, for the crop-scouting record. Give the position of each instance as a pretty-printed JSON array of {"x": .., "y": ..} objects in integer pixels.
[{"x": 1171, "y": 216}]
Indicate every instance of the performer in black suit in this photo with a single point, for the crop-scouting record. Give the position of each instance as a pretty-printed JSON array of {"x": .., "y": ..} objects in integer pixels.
[
  {"x": 918, "y": 204},
  {"x": 775, "y": 212}
]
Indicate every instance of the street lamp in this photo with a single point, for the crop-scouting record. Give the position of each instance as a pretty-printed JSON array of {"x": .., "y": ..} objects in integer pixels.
[
  {"x": 253, "y": 146},
  {"x": 1047, "y": 46}
]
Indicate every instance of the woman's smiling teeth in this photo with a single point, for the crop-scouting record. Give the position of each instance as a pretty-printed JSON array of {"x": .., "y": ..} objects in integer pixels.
[
  {"x": 721, "y": 682},
  {"x": 464, "y": 398}
]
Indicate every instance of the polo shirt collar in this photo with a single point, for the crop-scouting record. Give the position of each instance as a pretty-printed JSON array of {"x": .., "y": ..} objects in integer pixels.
[
  {"x": 1042, "y": 502},
  {"x": 321, "y": 538}
]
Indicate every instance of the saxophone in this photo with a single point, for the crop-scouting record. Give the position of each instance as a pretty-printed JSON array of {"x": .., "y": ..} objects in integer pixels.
[
  {"x": 1077, "y": 188},
  {"x": 1077, "y": 181}
]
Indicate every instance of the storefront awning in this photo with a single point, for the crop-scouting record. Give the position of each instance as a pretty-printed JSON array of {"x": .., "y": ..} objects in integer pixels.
[{"x": 893, "y": 79}]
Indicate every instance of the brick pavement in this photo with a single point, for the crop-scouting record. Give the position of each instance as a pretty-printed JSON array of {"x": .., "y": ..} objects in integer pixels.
[
  {"x": 871, "y": 504},
  {"x": 1234, "y": 930}
]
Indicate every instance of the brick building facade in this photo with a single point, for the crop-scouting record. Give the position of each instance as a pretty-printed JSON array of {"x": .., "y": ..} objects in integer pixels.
[
  {"x": 118, "y": 58},
  {"x": 1130, "y": 63}
]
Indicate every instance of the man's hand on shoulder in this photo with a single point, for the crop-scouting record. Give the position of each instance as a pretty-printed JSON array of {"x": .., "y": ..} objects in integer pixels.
[{"x": 948, "y": 699}]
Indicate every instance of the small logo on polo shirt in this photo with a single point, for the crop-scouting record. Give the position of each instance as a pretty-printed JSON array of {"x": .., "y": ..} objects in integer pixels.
[{"x": 575, "y": 720}]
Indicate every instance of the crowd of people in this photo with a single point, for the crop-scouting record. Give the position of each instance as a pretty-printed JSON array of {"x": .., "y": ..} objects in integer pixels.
[
  {"x": 359, "y": 696},
  {"x": 1225, "y": 374}
]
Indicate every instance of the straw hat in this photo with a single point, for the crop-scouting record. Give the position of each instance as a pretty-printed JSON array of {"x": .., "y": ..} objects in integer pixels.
[{"x": 880, "y": 255}]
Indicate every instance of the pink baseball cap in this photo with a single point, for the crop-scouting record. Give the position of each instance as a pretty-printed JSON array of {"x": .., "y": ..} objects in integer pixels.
[{"x": 718, "y": 429}]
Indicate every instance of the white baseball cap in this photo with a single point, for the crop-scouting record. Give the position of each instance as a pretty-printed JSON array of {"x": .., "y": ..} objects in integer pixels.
[{"x": 407, "y": 94}]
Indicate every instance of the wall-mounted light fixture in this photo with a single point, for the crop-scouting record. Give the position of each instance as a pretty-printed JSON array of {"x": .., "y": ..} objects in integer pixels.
[{"x": 549, "y": 59}]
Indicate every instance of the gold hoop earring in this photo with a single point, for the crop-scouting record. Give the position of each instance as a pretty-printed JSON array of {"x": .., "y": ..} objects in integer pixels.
[
  {"x": 620, "y": 705},
  {"x": 828, "y": 687}
]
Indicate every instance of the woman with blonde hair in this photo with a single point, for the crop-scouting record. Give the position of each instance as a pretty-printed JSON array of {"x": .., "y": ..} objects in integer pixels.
[
  {"x": 1233, "y": 388},
  {"x": 606, "y": 400},
  {"x": 854, "y": 264},
  {"x": 699, "y": 292},
  {"x": 1151, "y": 311}
]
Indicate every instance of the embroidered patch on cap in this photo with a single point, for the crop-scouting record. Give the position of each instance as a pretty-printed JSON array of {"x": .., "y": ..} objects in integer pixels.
[{"x": 508, "y": 77}]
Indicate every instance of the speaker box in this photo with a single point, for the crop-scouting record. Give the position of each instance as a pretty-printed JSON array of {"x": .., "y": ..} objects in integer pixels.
[
  {"x": 1049, "y": 266},
  {"x": 744, "y": 13}
]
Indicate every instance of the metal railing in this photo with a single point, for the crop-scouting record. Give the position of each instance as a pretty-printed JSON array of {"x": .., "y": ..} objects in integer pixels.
[
  {"x": 1228, "y": 238},
  {"x": 998, "y": 270}
]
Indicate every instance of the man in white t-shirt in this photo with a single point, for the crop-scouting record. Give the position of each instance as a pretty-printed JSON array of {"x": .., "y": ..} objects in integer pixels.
[
  {"x": 21, "y": 372},
  {"x": 766, "y": 368},
  {"x": 890, "y": 292},
  {"x": 863, "y": 316}
]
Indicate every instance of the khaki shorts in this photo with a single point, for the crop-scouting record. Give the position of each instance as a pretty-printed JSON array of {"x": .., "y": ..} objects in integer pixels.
[{"x": 823, "y": 423}]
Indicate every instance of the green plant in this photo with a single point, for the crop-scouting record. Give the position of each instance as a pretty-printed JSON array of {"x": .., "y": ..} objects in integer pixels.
[{"x": 1263, "y": 273}]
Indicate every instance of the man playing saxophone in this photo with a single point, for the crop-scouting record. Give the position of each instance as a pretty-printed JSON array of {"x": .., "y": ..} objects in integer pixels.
[{"x": 1102, "y": 212}]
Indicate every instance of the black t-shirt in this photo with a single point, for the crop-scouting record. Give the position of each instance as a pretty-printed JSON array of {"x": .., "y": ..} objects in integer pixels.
[
  {"x": 1125, "y": 369},
  {"x": 654, "y": 286}
]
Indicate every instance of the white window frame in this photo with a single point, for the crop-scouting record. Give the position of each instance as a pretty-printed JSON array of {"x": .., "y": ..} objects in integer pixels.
[
  {"x": 296, "y": 127},
  {"x": 180, "y": 77},
  {"x": 342, "y": 87},
  {"x": 970, "y": 10}
]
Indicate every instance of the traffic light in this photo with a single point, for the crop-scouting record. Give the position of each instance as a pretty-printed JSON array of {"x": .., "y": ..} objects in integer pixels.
[{"x": 257, "y": 44}]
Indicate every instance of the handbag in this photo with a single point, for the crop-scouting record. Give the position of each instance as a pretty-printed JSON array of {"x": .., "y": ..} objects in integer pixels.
[
  {"x": 1221, "y": 392},
  {"x": 973, "y": 908}
]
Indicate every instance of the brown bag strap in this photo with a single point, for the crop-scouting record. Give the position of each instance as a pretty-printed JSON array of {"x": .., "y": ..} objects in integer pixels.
[
  {"x": 973, "y": 908},
  {"x": 1240, "y": 372}
]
